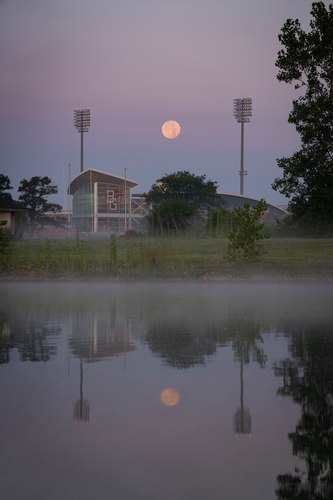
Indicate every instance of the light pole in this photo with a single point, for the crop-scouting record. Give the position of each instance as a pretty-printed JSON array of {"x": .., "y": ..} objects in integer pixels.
[
  {"x": 125, "y": 186},
  {"x": 242, "y": 113},
  {"x": 81, "y": 123}
]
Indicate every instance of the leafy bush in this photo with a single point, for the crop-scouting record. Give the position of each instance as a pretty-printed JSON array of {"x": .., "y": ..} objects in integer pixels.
[{"x": 246, "y": 234}]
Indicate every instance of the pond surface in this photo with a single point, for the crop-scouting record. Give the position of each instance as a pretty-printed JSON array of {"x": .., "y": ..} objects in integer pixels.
[{"x": 166, "y": 391}]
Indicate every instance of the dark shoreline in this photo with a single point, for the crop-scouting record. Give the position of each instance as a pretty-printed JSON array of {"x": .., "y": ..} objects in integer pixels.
[{"x": 259, "y": 277}]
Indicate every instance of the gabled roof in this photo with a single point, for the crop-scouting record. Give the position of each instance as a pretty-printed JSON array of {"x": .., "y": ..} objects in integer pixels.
[
  {"x": 9, "y": 205},
  {"x": 93, "y": 175}
]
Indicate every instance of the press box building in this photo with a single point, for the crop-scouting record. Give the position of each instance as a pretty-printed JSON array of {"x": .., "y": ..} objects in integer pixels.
[{"x": 103, "y": 203}]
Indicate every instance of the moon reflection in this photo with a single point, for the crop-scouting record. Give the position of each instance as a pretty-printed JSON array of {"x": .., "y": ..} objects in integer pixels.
[{"x": 170, "y": 397}]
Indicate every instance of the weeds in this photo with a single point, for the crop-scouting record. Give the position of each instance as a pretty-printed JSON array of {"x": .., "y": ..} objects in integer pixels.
[
  {"x": 165, "y": 257},
  {"x": 6, "y": 244}
]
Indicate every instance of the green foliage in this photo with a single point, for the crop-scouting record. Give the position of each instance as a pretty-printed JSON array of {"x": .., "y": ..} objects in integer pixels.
[
  {"x": 113, "y": 252},
  {"x": 178, "y": 257},
  {"x": 306, "y": 60},
  {"x": 246, "y": 235},
  {"x": 170, "y": 216},
  {"x": 5, "y": 246},
  {"x": 34, "y": 193},
  {"x": 218, "y": 222},
  {"x": 5, "y": 186},
  {"x": 182, "y": 185}
]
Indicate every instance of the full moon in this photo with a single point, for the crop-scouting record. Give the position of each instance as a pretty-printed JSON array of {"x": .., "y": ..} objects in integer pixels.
[
  {"x": 171, "y": 129},
  {"x": 170, "y": 397}
]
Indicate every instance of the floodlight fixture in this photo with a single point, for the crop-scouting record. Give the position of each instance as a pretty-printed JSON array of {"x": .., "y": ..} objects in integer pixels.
[
  {"x": 82, "y": 124},
  {"x": 242, "y": 113}
]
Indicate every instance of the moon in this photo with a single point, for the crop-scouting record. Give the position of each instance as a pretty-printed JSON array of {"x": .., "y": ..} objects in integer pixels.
[
  {"x": 170, "y": 397},
  {"x": 171, "y": 129}
]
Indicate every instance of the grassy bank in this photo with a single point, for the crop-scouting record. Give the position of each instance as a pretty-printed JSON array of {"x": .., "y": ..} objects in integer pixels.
[{"x": 177, "y": 257}]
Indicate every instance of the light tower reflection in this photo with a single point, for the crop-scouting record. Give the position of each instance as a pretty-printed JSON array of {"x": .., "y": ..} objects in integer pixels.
[
  {"x": 242, "y": 417},
  {"x": 81, "y": 407}
]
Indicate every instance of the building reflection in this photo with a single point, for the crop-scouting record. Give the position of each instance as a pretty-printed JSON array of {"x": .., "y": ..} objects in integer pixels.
[
  {"x": 180, "y": 342},
  {"x": 96, "y": 337}
]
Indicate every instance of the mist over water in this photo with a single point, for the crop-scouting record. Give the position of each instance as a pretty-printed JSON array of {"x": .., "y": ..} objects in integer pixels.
[{"x": 155, "y": 390}]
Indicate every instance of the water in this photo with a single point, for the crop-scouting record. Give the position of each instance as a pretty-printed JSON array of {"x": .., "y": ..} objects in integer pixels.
[{"x": 159, "y": 391}]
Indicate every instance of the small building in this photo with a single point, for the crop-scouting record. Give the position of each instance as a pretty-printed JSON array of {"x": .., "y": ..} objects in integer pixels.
[
  {"x": 9, "y": 211},
  {"x": 103, "y": 203}
]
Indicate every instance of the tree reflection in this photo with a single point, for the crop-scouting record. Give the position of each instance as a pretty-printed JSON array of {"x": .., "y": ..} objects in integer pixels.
[
  {"x": 180, "y": 344},
  {"x": 5, "y": 339},
  {"x": 33, "y": 345},
  {"x": 308, "y": 379},
  {"x": 244, "y": 335},
  {"x": 32, "y": 337},
  {"x": 186, "y": 344}
]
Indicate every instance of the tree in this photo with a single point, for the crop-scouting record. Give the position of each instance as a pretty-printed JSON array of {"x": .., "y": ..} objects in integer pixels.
[
  {"x": 170, "y": 216},
  {"x": 246, "y": 234},
  {"x": 4, "y": 187},
  {"x": 176, "y": 198},
  {"x": 218, "y": 222},
  {"x": 184, "y": 186},
  {"x": 307, "y": 61},
  {"x": 34, "y": 197}
]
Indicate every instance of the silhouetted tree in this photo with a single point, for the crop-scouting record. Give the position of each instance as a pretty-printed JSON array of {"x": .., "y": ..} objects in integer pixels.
[
  {"x": 34, "y": 193},
  {"x": 184, "y": 186},
  {"x": 307, "y": 61},
  {"x": 176, "y": 197},
  {"x": 5, "y": 186}
]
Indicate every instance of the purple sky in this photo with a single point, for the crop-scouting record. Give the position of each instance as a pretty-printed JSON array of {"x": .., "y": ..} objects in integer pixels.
[{"x": 137, "y": 63}]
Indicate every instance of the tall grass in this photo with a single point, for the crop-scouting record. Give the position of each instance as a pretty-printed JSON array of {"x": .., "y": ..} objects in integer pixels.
[{"x": 186, "y": 256}]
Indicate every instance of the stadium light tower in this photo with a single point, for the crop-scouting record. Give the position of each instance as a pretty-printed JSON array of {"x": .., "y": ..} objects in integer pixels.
[
  {"x": 81, "y": 123},
  {"x": 242, "y": 113}
]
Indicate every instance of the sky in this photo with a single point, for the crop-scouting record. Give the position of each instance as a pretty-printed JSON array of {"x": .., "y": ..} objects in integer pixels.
[{"x": 136, "y": 64}]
